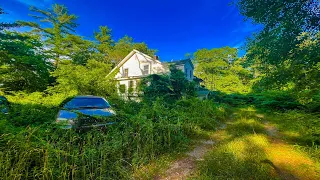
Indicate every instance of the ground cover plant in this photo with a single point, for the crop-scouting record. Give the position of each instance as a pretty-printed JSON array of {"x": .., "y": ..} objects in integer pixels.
[
  {"x": 31, "y": 146},
  {"x": 252, "y": 146},
  {"x": 261, "y": 112}
]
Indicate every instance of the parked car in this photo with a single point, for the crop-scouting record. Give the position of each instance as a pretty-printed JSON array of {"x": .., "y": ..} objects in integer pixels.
[
  {"x": 85, "y": 112},
  {"x": 4, "y": 105}
]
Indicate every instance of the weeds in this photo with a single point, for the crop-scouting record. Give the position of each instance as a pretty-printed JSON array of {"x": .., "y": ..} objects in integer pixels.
[{"x": 33, "y": 148}]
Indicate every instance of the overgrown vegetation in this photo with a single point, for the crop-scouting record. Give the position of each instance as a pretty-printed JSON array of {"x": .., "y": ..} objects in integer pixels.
[
  {"x": 32, "y": 147},
  {"x": 278, "y": 77},
  {"x": 250, "y": 147}
]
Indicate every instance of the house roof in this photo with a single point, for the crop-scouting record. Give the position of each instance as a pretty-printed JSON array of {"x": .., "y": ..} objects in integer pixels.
[
  {"x": 133, "y": 52},
  {"x": 180, "y": 62}
]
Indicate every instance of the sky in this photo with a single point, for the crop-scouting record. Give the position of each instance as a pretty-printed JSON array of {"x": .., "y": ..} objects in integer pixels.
[{"x": 173, "y": 27}]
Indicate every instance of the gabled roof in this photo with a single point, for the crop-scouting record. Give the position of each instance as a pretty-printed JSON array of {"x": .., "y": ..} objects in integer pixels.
[
  {"x": 133, "y": 52},
  {"x": 180, "y": 62}
]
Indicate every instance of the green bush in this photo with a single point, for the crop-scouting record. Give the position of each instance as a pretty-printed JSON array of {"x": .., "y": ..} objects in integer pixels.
[
  {"x": 273, "y": 100},
  {"x": 31, "y": 146}
]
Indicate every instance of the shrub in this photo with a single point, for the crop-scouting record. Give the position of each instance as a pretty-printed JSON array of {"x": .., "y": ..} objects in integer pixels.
[{"x": 30, "y": 147}]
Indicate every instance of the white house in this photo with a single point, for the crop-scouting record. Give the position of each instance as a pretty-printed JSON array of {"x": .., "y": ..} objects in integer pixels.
[{"x": 137, "y": 65}]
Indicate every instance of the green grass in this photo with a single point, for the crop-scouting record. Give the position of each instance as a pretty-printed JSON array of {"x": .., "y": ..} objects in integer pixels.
[
  {"x": 248, "y": 151},
  {"x": 32, "y": 148},
  {"x": 240, "y": 158}
]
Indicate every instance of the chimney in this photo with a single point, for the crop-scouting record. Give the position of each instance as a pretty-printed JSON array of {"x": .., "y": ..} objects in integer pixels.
[{"x": 155, "y": 57}]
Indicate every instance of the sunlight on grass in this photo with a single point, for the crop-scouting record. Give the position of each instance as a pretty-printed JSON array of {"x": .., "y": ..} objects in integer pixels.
[
  {"x": 238, "y": 159},
  {"x": 247, "y": 150},
  {"x": 292, "y": 161},
  {"x": 245, "y": 126}
]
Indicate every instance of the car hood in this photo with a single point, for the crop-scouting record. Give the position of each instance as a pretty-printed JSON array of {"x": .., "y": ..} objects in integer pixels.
[{"x": 73, "y": 114}]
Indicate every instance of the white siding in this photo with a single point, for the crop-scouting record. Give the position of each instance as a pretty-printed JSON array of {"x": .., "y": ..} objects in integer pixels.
[{"x": 136, "y": 64}]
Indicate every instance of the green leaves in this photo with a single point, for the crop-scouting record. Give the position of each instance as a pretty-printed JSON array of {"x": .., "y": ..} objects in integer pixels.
[
  {"x": 221, "y": 71},
  {"x": 285, "y": 49},
  {"x": 85, "y": 79},
  {"x": 23, "y": 65},
  {"x": 167, "y": 87}
]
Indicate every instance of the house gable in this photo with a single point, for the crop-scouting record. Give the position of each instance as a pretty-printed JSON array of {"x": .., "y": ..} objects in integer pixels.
[
  {"x": 137, "y": 64},
  {"x": 186, "y": 66}
]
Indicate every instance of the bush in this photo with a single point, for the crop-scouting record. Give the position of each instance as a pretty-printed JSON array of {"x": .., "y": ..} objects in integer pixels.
[
  {"x": 274, "y": 100},
  {"x": 31, "y": 147}
]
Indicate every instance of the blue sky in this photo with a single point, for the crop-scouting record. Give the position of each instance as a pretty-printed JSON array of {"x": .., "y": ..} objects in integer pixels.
[{"x": 173, "y": 27}]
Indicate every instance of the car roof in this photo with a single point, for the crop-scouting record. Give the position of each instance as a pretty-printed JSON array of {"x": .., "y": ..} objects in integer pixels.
[
  {"x": 3, "y": 98},
  {"x": 87, "y": 97}
]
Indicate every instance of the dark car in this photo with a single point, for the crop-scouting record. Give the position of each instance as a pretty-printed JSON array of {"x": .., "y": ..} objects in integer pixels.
[
  {"x": 4, "y": 105},
  {"x": 85, "y": 112}
]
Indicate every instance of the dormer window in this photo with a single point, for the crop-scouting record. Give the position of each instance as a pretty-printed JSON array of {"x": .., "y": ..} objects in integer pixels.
[
  {"x": 145, "y": 70},
  {"x": 126, "y": 73}
]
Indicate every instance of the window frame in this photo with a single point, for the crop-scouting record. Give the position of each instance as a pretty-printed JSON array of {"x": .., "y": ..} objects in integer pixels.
[
  {"x": 146, "y": 71},
  {"x": 126, "y": 72}
]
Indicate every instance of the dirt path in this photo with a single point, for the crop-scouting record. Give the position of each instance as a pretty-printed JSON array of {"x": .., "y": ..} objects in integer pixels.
[
  {"x": 183, "y": 168},
  {"x": 286, "y": 162}
]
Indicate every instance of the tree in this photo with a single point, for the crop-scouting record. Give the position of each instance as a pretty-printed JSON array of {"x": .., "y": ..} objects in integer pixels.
[
  {"x": 84, "y": 79},
  {"x": 78, "y": 49},
  {"x": 111, "y": 51},
  {"x": 4, "y": 25},
  {"x": 104, "y": 44},
  {"x": 285, "y": 50},
  {"x": 23, "y": 65},
  {"x": 125, "y": 45},
  {"x": 170, "y": 87},
  {"x": 62, "y": 24},
  {"x": 222, "y": 70}
]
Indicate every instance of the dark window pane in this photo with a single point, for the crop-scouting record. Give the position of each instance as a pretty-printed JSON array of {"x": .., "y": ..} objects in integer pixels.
[
  {"x": 145, "y": 70},
  {"x": 126, "y": 72},
  {"x": 87, "y": 103}
]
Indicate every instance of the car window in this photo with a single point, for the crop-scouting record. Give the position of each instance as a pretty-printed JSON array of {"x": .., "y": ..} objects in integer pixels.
[
  {"x": 3, "y": 102},
  {"x": 78, "y": 103}
]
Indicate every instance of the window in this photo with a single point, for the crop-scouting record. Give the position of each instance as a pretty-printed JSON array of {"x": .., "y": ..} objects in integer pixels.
[
  {"x": 126, "y": 73},
  {"x": 122, "y": 88},
  {"x": 130, "y": 89},
  {"x": 79, "y": 103},
  {"x": 145, "y": 70}
]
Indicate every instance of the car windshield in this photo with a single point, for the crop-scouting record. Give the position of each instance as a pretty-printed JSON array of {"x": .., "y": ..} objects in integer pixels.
[
  {"x": 2, "y": 101},
  {"x": 83, "y": 103}
]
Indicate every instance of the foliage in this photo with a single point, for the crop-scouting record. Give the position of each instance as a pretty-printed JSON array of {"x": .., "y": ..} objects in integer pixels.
[
  {"x": 124, "y": 46},
  {"x": 221, "y": 70},
  {"x": 33, "y": 148},
  {"x": 84, "y": 79},
  {"x": 4, "y": 25},
  {"x": 23, "y": 65},
  {"x": 170, "y": 87},
  {"x": 286, "y": 50},
  {"x": 269, "y": 100},
  {"x": 252, "y": 146},
  {"x": 62, "y": 24}
]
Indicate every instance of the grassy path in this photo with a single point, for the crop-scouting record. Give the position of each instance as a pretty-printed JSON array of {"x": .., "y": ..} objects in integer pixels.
[{"x": 250, "y": 147}]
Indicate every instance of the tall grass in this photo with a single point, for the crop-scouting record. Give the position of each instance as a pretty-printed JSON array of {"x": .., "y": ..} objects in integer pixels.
[{"x": 32, "y": 148}]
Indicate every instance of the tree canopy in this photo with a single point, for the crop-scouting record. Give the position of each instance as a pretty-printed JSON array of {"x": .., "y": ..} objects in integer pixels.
[
  {"x": 286, "y": 50},
  {"x": 222, "y": 70}
]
